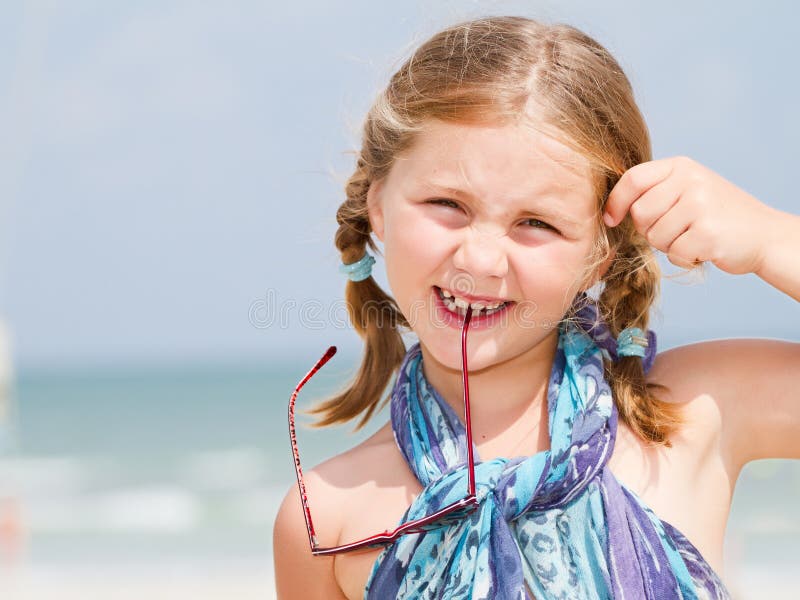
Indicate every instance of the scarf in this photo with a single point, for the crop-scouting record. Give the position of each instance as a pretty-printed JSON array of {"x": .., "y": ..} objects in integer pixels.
[{"x": 557, "y": 524}]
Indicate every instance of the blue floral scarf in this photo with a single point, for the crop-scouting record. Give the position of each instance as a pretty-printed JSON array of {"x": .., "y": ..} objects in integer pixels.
[{"x": 558, "y": 524}]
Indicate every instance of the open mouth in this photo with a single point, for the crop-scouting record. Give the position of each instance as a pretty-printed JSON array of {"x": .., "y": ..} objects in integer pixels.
[{"x": 458, "y": 306}]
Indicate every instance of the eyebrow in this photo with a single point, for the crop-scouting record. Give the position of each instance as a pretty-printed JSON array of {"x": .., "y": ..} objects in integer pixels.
[{"x": 459, "y": 193}]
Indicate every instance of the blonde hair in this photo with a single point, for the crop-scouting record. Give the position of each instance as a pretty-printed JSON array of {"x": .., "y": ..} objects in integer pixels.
[{"x": 498, "y": 70}]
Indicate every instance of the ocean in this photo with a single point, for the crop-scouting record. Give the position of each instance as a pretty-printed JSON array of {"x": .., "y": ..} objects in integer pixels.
[{"x": 170, "y": 477}]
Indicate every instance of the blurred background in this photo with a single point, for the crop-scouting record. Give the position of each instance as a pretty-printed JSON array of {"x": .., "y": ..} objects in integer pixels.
[{"x": 169, "y": 176}]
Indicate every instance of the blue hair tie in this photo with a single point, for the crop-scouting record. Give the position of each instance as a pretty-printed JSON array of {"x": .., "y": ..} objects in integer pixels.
[
  {"x": 359, "y": 270},
  {"x": 631, "y": 342}
]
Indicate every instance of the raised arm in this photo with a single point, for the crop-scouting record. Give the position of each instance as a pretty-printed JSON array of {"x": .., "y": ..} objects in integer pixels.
[
  {"x": 780, "y": 262},
  {"x": 694, "y": 215}
]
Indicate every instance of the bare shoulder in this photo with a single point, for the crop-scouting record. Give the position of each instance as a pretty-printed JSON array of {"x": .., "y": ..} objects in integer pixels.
[
  {"x": 741, "y": 392},
  {"x": 359, "y": 466},
  {"x": 331, "y": 488}
]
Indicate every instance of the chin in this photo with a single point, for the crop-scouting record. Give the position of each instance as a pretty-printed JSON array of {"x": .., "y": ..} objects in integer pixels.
[
  {"x": 443, "y": 352},
  {"x": 447, "y": 353}
]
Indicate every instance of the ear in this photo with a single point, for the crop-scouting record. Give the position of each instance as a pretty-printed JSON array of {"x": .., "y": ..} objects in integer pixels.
[{"x": 375, "y": 208}]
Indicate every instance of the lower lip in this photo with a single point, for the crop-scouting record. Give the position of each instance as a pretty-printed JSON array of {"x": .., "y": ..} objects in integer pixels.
[{"x": 483, "y": 321}]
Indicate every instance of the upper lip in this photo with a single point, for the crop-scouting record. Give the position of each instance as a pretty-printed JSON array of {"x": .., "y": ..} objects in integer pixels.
[{"x": 475, "y": 299}]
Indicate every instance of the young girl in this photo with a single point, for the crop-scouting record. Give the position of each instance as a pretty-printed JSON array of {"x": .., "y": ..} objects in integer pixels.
[{"x": 507, "y": 171}]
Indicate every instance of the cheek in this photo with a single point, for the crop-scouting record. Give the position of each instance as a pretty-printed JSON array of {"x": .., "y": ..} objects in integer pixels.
[
  {"x": 553, "y": 263},
  {"x": 410, "y": 258},
  {"x": 413, "y": 241},
  {"x": 553, "y": 273}
]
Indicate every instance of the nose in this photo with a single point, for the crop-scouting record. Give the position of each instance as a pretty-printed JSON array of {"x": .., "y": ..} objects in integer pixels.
[{"x": 481, "y": 255}]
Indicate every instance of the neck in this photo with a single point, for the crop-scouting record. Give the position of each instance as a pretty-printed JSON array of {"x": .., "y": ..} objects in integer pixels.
[{"x": 506, "y": 397}]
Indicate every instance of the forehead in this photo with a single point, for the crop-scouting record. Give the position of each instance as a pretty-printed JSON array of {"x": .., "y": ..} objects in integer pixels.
[{"x": 502, "y": 166}]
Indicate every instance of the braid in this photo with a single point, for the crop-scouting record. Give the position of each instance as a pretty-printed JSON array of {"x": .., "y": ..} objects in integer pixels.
[
  {"x": 374, "y": 315},
  {"x": 631, "y": 286}
]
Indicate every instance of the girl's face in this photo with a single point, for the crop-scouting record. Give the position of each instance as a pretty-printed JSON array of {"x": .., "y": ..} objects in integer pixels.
[{"x": 506, "y": 213}]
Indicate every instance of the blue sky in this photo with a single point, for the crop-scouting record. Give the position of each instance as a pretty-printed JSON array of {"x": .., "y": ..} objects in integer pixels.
[{"x": 167, "y": 167}]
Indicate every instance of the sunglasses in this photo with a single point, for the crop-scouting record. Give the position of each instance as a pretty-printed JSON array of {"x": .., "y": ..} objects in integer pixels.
[{"x": 448, "y": 514}]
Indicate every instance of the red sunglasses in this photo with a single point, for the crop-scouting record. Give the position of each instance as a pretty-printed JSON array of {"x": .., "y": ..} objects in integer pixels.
[{"x": 448, "y": 514}]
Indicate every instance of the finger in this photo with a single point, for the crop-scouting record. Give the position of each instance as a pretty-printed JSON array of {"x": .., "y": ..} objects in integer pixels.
[
  {"x": 655, "y": 203},
  {"x": 633, "y": 183},
  {"x": 672, "y": 223},
  {"x": 687, "y": 250}
]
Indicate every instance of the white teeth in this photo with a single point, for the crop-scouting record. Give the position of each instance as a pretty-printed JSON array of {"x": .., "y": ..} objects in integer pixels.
[
  {"x": 476, "y": 306},
  {"x": 487, "y": 306},
  {"x": 459, "y": 305}
]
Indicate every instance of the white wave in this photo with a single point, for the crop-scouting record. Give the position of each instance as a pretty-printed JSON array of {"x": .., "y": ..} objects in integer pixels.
[
  {"x": 237, "y": 468},
  {"x": 155, "y": 509},
  {"x": 34, "y": 476}
]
